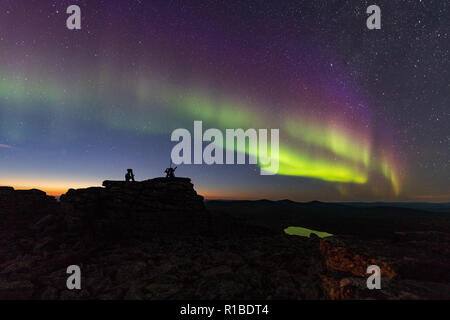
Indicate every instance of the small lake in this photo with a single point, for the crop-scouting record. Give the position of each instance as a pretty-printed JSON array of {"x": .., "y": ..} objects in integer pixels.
[{"x": 304, "y": 232}]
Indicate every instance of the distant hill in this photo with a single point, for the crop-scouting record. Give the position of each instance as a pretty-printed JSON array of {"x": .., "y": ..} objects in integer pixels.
[
  {"x": 423, "y": 206},
  {"x": 371, "y": 220},
  {"x": 426, "y": 206}
]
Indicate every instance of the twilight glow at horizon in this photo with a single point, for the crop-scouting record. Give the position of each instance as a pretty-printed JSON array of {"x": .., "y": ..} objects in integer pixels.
[{"x": 79, "y": 107}]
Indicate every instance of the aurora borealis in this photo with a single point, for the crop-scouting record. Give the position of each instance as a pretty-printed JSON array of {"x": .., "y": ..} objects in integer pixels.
[{"x": 363, "y": 115}]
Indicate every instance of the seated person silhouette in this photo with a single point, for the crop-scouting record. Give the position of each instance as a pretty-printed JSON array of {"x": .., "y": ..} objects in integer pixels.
[
  {"x": 170, "y": 172},
  {"x": 129, "y": 176}
]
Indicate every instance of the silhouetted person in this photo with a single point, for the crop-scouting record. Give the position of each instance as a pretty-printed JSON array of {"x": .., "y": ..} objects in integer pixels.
[
  {"x": 170, "y": 172},
  {"x": 129, "y": 176}
]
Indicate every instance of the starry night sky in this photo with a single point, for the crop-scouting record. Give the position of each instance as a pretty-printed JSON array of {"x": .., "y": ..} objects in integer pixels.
[{"x": 363, "y": 114}]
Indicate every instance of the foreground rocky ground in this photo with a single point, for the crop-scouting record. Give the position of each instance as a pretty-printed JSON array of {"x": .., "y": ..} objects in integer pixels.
[{"x": 155, "y": 240}]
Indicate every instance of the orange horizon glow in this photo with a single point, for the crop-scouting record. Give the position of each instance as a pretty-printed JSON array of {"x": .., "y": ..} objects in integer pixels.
[
  {"x": 50, "y": 191},
  {"x": 57, "y": 188},
  {"x": 52, "y": 187}
]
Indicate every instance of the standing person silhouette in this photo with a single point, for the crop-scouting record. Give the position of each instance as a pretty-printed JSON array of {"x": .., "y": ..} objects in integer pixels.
[
  {"x": 129, "y": 176},
  {"x": 170, "y": 172}
]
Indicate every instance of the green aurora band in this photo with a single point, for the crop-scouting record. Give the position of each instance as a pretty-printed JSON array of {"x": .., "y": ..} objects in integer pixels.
[{"x": 307, "y": 148}]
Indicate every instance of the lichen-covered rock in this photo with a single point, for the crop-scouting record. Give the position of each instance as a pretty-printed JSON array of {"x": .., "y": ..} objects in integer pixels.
[
  {"x": 339, "y": 257},
  {"x": 414, "y": 265}
]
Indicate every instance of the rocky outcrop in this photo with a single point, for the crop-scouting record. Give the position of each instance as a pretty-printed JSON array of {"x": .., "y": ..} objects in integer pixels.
[
  {"x": 158, "y": 205},
  {"x": 159, "y": 194},
  {"x": 155, "y": 240},
  {"x": 19, "y": 202}
]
